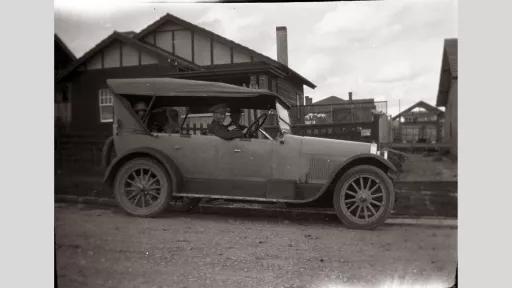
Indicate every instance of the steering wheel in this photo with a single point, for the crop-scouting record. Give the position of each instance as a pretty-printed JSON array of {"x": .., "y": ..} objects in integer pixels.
[{"x": 255, "y": 126}]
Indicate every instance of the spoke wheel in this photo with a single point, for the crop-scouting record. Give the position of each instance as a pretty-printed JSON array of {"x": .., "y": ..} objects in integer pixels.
[
  {"x": 363, "y": 197},
  {"x": 142, "y": 187}
]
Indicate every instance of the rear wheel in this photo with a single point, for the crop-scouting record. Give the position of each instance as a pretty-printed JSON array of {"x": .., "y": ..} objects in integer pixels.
[
  {"x": 143, "y": 187},
  {"x": 363, "y": 197}
]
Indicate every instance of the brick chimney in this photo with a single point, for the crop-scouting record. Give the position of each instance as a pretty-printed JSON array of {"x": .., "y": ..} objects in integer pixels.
[
  {"x": 309, "y": 100},
  {"x": 282, "y": 44},
  {"x": 350, "y": 96}
]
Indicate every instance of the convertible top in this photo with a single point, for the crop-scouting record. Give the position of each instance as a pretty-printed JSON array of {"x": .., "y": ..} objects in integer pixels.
[{"x": 193, "y": 92}]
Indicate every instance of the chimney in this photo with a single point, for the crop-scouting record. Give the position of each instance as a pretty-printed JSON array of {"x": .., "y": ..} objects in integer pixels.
[
  {"x": 350, "y": 96},
  {"x": 309, "y": 100},
  {"x": 282, "y": 44}
]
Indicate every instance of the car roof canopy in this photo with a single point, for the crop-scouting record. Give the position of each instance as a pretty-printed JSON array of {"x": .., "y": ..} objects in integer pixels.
[{"x": 180, "y": 92}]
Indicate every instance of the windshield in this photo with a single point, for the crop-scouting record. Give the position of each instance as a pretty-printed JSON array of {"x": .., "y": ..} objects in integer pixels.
[{"x": 284, "y": 118}]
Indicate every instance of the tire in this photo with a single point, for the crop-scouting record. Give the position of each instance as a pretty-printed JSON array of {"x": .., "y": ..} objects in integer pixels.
[
  {"x": 371, "y": 205},
  {"x": 143, "y": 187}
]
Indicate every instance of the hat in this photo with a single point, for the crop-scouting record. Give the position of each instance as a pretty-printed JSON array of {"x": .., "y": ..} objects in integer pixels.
[
  {"x": 219, "y": 108},
  {"x": 235, "y": 110}
]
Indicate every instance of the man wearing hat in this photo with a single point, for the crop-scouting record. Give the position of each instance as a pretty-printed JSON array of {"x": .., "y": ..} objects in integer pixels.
[
  {"x": 217, "y": 126},
  {"x": 235, "y": 114}
]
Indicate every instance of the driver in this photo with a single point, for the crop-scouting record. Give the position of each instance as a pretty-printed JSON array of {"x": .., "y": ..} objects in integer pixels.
[
  {"x": 217, "y": 127},
  {"x": 234, "y": 115}
]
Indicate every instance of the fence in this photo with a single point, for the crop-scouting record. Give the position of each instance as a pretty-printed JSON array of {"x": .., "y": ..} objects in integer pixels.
[{"x": 350, "y": 112}]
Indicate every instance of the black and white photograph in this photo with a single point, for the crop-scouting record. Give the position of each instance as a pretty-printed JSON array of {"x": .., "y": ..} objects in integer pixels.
[{"x": 286, "y": 144}]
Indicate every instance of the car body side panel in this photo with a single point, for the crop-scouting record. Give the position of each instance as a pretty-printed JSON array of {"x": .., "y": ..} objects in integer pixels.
[{"x": 246, "y": 159}]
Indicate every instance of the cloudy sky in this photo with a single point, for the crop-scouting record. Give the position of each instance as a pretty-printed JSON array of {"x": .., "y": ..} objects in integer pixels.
[{"x": 388, "y": 50}]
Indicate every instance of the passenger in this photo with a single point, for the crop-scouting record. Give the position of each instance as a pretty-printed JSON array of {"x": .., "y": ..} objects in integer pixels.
[
  {"x": 235, "y": 114},
  {"x": 140, "y": 108},
  {"x": 158, "y": 121},
  {"x": 173, "y": 123},
  {"x": 217, "y": 126}
]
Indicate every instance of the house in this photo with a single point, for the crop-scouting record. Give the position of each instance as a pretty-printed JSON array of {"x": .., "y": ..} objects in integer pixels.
[
  {"x": 62, "y": 60},
  {"x": 171, "y": 47},
  {"x": 447, "y": 93},
  {"x": 334, "y": 109},
  {"x": 333, "y": 117},
  {"x": 420, "y": 123}
]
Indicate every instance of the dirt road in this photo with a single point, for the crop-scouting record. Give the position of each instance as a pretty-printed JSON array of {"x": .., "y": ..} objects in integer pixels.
[{"x": 103, "y": 247}]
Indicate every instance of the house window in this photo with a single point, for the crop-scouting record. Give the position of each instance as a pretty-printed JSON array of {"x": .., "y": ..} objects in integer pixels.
[{"x": 106, "y": 102}]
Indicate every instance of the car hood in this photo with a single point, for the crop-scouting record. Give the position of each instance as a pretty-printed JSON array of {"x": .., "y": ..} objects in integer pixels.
[{"x": 340, "y": 149}]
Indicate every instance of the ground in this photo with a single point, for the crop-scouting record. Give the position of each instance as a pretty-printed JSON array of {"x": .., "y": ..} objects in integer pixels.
[
  {"x": 104, "y": 247},
  {"x": 428, "y": 167}
]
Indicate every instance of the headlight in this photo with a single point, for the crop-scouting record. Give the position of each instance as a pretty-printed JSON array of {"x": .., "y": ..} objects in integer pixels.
[{"x": 373, "y": 148}]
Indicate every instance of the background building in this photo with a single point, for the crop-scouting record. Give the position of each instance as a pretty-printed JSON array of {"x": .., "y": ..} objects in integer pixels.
[
  {"x": 420, "y": 123},
  {"x": 63, "y": 58},
  {"x": 333, "y": 117},
  {"x": 447, "y": 93}
]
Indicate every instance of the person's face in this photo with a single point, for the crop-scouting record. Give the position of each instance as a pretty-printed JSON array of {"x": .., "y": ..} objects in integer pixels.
[
  {"x": 141, "y": 112},
  {"x": 219, "y": 116}
]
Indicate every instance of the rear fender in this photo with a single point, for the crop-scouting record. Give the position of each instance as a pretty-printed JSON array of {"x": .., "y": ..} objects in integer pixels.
[{"x": 170, "y": 166}]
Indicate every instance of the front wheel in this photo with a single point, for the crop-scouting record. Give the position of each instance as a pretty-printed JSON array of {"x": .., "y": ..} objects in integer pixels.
[
  {"x": 363, "y": 197},
  {"x": 143, "y": 187}
]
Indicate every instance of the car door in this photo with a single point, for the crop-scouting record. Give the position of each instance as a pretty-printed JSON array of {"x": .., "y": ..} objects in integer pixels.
[
  {"x": 196, "y": 157},
  {"x": 245, "y": 166}
]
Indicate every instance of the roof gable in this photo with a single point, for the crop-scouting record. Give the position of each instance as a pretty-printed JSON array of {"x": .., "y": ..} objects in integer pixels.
[
  {"x": 419, "y": 104},
  {"x": 329, "y": 101},
  {"x": 64, "y": 47},
  {"x": 174, "y": 22},
  {"x": 124, "y": 38}
]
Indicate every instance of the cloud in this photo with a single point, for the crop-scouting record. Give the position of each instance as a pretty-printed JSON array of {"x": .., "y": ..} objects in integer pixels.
[{"x": 356, "y": 16}]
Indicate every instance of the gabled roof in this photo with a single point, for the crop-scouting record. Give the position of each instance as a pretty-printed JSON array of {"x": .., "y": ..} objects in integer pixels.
[
  {"x": 449, "y": 70},
  {"x": 169, "y": 17},
  {"x": 334, "y": 100},
  {"x": 421, "y": 104},
  {"x": 329, "y": 101},
  {"x": 129, "y": 40},
  {"x": 64, "y": 47}
]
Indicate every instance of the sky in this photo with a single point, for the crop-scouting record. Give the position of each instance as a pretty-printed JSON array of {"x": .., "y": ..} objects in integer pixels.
[{"x": 387, "y": 50}]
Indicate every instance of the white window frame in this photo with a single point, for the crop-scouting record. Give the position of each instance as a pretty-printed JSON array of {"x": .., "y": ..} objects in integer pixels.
[{"x": 105, "y": 98}]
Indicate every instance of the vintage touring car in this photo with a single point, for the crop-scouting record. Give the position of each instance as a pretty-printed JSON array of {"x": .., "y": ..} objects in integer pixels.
[{"x": 153, "y": 168}]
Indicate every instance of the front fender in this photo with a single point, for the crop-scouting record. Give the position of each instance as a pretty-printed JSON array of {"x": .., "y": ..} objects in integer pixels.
[
  {"x": 365, "y": 157},
  {"x": 166, "y": 161}
]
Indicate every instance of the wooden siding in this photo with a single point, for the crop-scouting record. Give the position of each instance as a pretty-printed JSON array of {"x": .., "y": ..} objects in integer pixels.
[
  {"x": 164, "y": 40},
  {"x": 130, "y": 56},
  {"x": 84, "y": 94},
  {"x": 94, "y": 63},
  {"x": 195, "y": 46},
  {"x": 112, "y": 56},
  {"x": 221, "y": 53},
  {"x": 183, "y": 44},
  {"x": 289, "y": 91},
  {"x": 202, "y": 53},
  {"x": 240, "y": 57},
  {"x": 168, "y": 26},
  {"x": 146, "y": 59}
]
